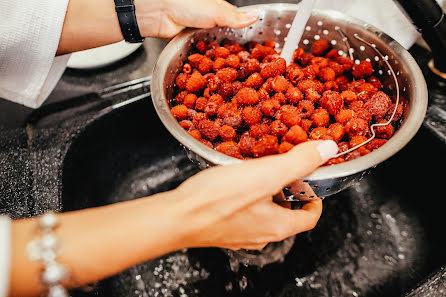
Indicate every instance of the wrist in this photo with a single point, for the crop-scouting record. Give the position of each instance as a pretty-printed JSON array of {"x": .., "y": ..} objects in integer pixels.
[
  {"x": 148, "y": 15},
  {"x": 167, "y": 213}
]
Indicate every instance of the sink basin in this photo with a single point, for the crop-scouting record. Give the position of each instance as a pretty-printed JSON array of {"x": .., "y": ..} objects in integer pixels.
[{"x": 378, "y": 238}]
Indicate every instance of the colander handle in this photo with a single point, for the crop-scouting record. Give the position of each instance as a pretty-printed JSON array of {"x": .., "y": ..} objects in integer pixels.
[{"x": 429, "y": 18}]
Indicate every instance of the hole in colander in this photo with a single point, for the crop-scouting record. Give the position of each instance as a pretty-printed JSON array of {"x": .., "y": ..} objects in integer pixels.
[
  {"x": 316, "y": 185},
  {"x": 311, "y": 197},
  {"x": 288, "y": 26},
  {"x": 333, "y": 42},
  {"x": 302, "y": 193},
  {"x": 328, "y": 189},
  {"x": 320, "y": 23},
  {"x": 325, "y": 32},
  {"x": 317, "y": 37},
  {"x": 308, "y": 28},
  {"x": 306, "y": 42}
]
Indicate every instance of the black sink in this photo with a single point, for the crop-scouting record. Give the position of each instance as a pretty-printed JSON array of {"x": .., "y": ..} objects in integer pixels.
[{"x": 378, "y": 238}]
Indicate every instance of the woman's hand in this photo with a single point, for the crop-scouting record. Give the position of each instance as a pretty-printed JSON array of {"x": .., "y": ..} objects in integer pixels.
[
  {"x": 232, "y": 206},
  {"x": 90, "y": 24},
  {"x": 166, "y": 18},
  {"x": 226, "y": 206}
]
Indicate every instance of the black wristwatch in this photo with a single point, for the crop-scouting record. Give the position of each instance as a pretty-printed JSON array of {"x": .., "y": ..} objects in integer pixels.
[{"x": 127, "y": 20}]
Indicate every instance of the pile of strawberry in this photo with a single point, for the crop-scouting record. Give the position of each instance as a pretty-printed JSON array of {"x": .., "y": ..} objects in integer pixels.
[{"x": 244, "y": 101}]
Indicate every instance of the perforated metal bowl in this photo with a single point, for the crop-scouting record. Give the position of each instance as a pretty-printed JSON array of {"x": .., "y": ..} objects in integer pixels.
[{"x": 274, "y": 25}]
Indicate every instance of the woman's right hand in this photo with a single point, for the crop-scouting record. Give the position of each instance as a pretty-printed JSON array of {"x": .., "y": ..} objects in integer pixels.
[
  {"x": 225, "y": 206},
  {"x": 232, "y": 206}
]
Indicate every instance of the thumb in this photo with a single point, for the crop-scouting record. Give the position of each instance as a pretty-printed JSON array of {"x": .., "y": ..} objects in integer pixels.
[
  {"x": 275, "y": 172},
  {"x": 228, "y": 16},
  {"x": 304, "y": 158}
]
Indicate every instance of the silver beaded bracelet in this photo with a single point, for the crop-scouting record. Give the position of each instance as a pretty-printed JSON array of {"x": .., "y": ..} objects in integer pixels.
[{"x": 44, "y": 249}]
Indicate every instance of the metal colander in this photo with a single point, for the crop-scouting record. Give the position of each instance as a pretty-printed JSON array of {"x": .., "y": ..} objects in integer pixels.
[{"x": 274, "y": 25}]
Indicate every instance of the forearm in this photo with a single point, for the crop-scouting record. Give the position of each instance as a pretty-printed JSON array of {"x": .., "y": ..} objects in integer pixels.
[
  {"x": 89, "y": 24},
  {"x": 99, "y": 242}
]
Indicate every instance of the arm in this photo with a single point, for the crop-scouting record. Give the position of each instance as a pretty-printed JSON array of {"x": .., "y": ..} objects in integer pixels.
[
  {"x": 225, "y": 206},
  {"x": 91, "y": 24}
]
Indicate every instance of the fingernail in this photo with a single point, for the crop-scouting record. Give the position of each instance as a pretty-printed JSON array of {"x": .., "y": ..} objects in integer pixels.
[
  {"x": 327, "y": 149},
  {"x": 253, "y": 14}
]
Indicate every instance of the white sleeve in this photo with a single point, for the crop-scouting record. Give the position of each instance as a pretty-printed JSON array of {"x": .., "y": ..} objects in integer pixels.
[
  {"x": 5, "y": 254},
  {"x": 29, "y": 36}
]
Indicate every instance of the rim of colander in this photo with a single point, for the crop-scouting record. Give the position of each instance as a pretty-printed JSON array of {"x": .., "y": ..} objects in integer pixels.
[{"x": 404, "y": 134}]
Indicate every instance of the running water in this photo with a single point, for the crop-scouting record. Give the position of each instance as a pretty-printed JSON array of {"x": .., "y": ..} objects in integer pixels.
[{"x": 297, "y": 29}]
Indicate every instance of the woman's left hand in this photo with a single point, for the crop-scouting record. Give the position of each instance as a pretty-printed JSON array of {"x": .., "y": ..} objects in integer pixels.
[{"x": 166, "y": 18}]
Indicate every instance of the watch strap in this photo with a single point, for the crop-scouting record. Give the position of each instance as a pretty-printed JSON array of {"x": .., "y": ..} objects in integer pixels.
[{"x": 125, "y": 10}]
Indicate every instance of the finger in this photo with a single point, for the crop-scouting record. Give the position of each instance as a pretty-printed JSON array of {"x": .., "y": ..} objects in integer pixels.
[
  {"x": 227, "y": 15},
  {"x": 285, "y": 204},
  {"x": 276, "y": 172},
  {"x": 307, "y": 157},
  {"x": 298, "y": 221},
  {"x": 256, "y": 247}
]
